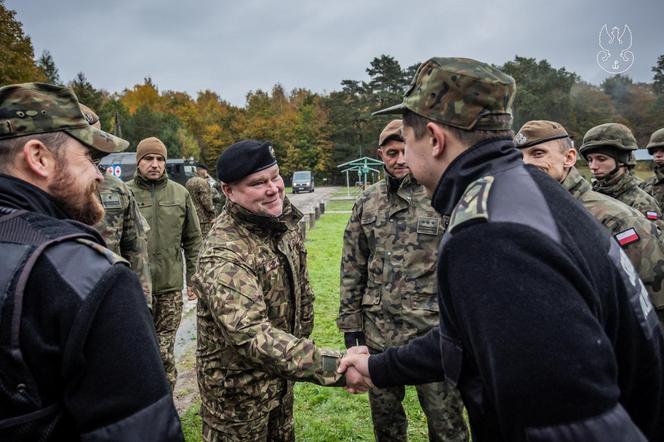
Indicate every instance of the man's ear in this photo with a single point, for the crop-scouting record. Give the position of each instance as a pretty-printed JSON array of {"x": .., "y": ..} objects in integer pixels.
[
  {"x": 38, "y": 160},
  {"x": 570, "y": 158},
  {"x": 228, "y": 191},
  {"x": 438, "y": 139},
  {"x": 379, "y": 152}
]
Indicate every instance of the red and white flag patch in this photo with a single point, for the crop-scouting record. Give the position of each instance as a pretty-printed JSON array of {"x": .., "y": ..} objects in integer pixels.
[
  {"x": 651, "y": 215},
  {"x": 627, "y": 237}
]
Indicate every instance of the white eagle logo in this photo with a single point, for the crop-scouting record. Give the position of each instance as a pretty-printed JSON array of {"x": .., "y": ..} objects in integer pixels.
[{"x": 615, "y": 56}]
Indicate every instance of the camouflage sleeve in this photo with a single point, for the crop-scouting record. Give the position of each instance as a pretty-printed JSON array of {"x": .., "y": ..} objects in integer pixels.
[
  {"x": 307, "y": 296},
  {"x": 235, "y": 300},
  {"x": 191, "y": 237},
  {"x": 134, "y": 246},
  {"x": 647, "y": 256},
  {"x": 207, "y": 202},
  {"x": 354, "y": 258}
]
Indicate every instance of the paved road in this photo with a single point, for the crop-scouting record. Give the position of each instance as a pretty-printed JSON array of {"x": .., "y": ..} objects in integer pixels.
[{"x": 306, "y": 201}]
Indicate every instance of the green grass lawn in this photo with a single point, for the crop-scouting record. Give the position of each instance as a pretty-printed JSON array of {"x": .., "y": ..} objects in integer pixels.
[
  {"x": 331, "y": 414},
  {"x": 322, "y": 413},
  {"x": 336, "y": 205}
]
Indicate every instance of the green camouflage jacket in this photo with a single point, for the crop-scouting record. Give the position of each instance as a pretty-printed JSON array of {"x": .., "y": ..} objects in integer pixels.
[
  {"x": 255, "y": 312},
  {"x": 645, "y": 249},
  {"x": 171, "y": 214},
  {"x": 655, "y": 185},
  {"x": 388, "y": 265},
  {"x": 201, "y": 193},
  {"x": 125, "y": 230},
  {"x": 626, "y": 188}
]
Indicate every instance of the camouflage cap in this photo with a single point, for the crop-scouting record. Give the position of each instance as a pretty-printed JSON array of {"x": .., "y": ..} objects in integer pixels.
[
  {"x": 656, "y": 140},
  {"x": 34, "y": 108},
  {"x": 538, "y": 132},
  {"x": 459, "y": 92},
  {"x": 391, "y": 132},
  {"x": 611, "y": 135}
]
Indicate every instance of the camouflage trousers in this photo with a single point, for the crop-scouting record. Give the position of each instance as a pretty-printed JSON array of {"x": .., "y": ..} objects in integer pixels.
[
  {"x": 440, "y": 401},
  {"x": 167, "y": 312},
  {"x": 275, "y": 426}
]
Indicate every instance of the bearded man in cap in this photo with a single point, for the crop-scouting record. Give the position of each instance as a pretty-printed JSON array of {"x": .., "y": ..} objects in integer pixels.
[
  {"x": 123, "y": 228},
  {"x": 546, "y": 145},
  {"x": 608, "y": 149},
  {"x": 545, "y": 327},
  {"x": 174, "y": 230},
  {"x": 78, "y": 352},
  {"x": 388, "y": 288},
  {"x": 255, "y": 306},
  {"x": 655, "y": 184}
]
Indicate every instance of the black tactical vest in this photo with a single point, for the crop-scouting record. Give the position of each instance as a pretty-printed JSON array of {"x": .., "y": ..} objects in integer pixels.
[{"x": 23, "y": 237}]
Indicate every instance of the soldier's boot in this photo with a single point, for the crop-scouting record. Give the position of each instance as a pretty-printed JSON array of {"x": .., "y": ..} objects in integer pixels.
[
  {"x": 389, "y": 418},
  {"x": 167, "y": 311},
  {"x": 442, "y": 405}
]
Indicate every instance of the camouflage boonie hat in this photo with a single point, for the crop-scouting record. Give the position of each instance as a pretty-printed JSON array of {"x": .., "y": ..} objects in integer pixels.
[
  {"x": 34, "y": 108},
  {"x": 459, "y": 92},
  {"x": 537, "y": 132},
  {"x": 656, "y": 140}
]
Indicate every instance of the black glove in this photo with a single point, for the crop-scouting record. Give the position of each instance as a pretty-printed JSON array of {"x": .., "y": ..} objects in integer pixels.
[{"x": 352, "y": 339}]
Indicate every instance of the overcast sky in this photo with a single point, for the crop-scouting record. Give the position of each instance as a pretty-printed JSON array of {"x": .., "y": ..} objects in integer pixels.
[{"x": 233, "y": 47}]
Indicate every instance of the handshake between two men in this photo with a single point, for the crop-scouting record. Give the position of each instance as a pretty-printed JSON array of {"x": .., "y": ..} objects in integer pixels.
[{"x": 355, "y": 364}]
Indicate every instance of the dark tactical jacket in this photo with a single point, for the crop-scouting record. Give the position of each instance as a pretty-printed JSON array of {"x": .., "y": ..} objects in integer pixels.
[
  {"x": 69, "y": 309},
  {"x": 546, "y": 329}
]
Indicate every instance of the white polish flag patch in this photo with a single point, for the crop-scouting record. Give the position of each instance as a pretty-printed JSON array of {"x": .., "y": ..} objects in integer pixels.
[
  {"x": 627, "y": 237},
  {"x": 651, "y": 215}
]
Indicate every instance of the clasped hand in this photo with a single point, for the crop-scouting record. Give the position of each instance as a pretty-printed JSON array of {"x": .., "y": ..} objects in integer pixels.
[{"x": 355, "y": 364}]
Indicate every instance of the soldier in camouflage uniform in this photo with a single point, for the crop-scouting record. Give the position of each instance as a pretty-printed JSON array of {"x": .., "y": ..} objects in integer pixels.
[
  {"x": 607, "y": 149},
  {"x": 255, "y": 306},
  {"x": 388, "y": 288},
  {"x": 218, "y": 196},
  {"x": 655, "y": 184},
  {"x": 201, "y": 193},
  {"x": 123, "y": 227},
  {"x": 174, "y": 231},
  {"x": 546, "y": 145}
]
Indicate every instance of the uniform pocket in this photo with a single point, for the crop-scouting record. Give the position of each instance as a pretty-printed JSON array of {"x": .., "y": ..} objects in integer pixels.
[{"x": 424, "y": 301}]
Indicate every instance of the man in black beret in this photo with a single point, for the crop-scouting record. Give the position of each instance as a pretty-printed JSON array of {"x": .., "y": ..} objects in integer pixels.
[{"x": 255, "y": 306}]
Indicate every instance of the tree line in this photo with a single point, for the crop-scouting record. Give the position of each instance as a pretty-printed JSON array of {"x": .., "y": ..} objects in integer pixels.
[{"x": 315, "y": 131}]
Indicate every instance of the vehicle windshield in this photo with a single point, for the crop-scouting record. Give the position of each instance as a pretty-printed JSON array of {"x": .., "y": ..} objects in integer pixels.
[{"x": 299, "y": 176}]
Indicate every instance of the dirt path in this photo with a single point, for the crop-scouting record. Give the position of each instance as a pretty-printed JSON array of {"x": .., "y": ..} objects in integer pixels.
[{"x": 186, "y": 388}]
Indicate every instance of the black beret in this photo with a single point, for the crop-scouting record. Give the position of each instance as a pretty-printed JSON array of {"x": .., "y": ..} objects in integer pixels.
[
  {"x": 244, "y": 158},
  {"x": 201, "y": 166}
]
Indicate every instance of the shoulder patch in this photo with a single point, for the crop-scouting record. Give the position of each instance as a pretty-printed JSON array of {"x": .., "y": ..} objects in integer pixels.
[
  {"x": 473, "y": 204},
  {"x": 651, "y": 215},
  {"x": 627, "y": 237}
]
